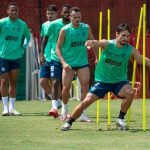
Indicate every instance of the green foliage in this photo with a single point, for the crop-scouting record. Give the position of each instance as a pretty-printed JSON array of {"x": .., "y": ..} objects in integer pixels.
[{"x": 34, "y": 130}]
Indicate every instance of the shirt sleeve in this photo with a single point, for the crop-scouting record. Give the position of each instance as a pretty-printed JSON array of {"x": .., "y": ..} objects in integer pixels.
[
  {"x": 50, "y": 29},
  {"x": 42, "y": 31},
  {"x": 27, "y": 37}
]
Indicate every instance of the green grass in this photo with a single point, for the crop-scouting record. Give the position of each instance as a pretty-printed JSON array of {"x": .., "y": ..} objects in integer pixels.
[{"x": 34, "y": 130}]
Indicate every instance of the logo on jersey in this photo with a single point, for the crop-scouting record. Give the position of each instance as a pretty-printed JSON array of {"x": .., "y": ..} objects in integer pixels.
[
  {"x": 113, "y": 62},
  {"x": 77, "y": 44},
  {"x": 11, "y": 38}
]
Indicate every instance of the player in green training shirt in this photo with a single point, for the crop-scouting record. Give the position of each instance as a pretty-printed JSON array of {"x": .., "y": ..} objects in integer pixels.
[
  {"x": 56, "y": 67},
  {"x": 111, "y": 74},
  {"x": 45, "y": 58},
  {"x": 14, "y": 39},
  {"x": 72, "y": 53}
]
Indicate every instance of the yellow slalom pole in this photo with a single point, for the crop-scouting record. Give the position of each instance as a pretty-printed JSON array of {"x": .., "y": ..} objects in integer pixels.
[
  {"x": 100, "y": 37},
  {"x": 144, "y": 54},
  {"x": 108, "y": 37},
  {"x": 134, "y": 64}
]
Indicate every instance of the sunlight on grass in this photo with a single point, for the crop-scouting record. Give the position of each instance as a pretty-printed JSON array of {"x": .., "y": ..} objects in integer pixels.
[{"x": 34, "y": 130}]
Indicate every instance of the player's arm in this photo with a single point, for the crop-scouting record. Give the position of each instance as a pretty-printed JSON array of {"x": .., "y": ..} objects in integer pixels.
[
  {"x": 46, "y": 36},
  {"x": 139, "y": 58},
  {"x": 43, "y": 45},
  {"x": 44, "y": 40},
  {"x": 59, "y": 44},
  {"x": 91, "y": 37},
  {"x": 95, "y": 43},
  {"x": 26, "y": 37}
]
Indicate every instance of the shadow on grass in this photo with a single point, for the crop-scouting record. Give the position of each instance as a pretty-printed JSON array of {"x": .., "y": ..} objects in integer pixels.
[
  {"x": 138, "y": 130},
  {"x": 111, "y": 130},
  {"x": 34, "y": 114}
]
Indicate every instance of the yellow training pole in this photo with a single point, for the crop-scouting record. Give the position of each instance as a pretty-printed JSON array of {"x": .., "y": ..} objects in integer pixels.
[
  {"x": 100, "y": 37},
  {"x": 144, "y": 54},
  {"x": 108, "y": 37},
  {"x": 134, "y": 64}
]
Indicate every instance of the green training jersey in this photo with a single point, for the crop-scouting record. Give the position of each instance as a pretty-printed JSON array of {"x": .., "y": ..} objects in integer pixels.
[
  {"x": 112, "y": 66},
  {"x": 14, "y": 38},
  {"x": 53, "y": 31},
  {"x": 44, "y": 29},
  {"x": 73, "y": 49}
]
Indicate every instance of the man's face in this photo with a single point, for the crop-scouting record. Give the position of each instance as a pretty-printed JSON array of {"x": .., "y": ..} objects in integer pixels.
[
  {"x": 75, "y": 18},
  {"x": 51, "y": 15},
  {"x": 12, "y": 12},
  {"x": 65, "y": 13},
  {"x": 123, "y": 37}
]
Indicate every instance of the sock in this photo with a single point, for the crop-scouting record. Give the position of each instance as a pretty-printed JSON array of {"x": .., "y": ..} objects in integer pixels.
[
  {"x": 5, "y": 103},
  {"x": 121, "y": 115},
  {"x": 54, "y": 104},
  {"x": 59, "y": 103},
  {"x": 70, "y": 120},
  {"x": 12, "y": 103},
  {"x": 64, "y": 109}
]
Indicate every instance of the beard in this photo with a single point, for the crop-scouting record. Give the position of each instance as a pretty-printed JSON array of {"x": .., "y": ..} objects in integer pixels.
[
  {"x": 123, "y": 43},
  {"x": 66, "y": 19}
]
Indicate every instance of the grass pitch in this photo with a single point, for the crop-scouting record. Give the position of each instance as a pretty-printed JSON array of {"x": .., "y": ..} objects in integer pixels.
[{"x": 34, "y": 130}]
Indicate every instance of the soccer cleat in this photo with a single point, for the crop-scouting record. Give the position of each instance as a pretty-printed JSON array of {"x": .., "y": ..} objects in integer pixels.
[
  {"x": 53, "y": 112},
  {"x": 121, "y": 124},
  {"x": 66, "y": 127},
  {"x": 59, "y": 104},
  {"x": 13, "y": 112},
  {"x": 84, "y": 118},
  {"x": 5, "y": 113}
]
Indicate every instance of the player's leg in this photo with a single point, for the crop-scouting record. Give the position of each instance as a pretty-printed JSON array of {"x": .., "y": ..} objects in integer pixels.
[
  {"x": 13, "y": 75},
  {"x": 56, "y": 75},
  {"x": 67, "y": 78},
  {"x": 78, "y": 110},
  {"x": 4, "y": 93},
  {"x": 98, "y": 90},
  {"x": 45, "y": 78},
  {"x": 4, "y": 69},
  {"x": 127, "y": 93},
  {"x": 84, "y": 75}
]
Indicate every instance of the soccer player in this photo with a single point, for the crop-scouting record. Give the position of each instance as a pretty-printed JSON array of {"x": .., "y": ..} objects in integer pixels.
[
  {"x": 111, "y": 74},
  {"x": 14, "y": 39},
  {"x": 56, "y": 67},
  {"x": 45, "y": 57},
  {"x": 72, "y": 53}
]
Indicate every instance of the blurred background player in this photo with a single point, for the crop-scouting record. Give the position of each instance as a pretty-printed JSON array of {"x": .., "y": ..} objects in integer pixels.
[
  {"x": 14, "y": 39},
  {"x": 45, "y": 56},
  {"x": 56, "y": 67}
]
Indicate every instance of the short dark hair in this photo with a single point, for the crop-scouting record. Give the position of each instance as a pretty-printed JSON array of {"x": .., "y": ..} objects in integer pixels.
[
  {"x": 76, "y": 9},
  {"x": 12, "y": 4},
  {"x": 122, "y": 27},
  {"x": 52, "y": 7},
  {"x": 67, "y": 6}
]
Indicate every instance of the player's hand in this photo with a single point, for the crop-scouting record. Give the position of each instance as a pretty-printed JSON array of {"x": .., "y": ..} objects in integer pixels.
[
  {"x": 66, "y": 67},
  {"x": 96, "y": 61},
  {"x": 42, "y": 58},
  {"x": 91, "y": 43}
]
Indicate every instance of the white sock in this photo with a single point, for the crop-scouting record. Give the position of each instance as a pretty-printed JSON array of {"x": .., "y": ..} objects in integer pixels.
[
  {"x": 54, "y": 104},
  {"x": 5, "y": 103},
  {"x": 64, "y": 109},
  {"x": 59, "y": 101},
  {"x": 12, "y": 103}
]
